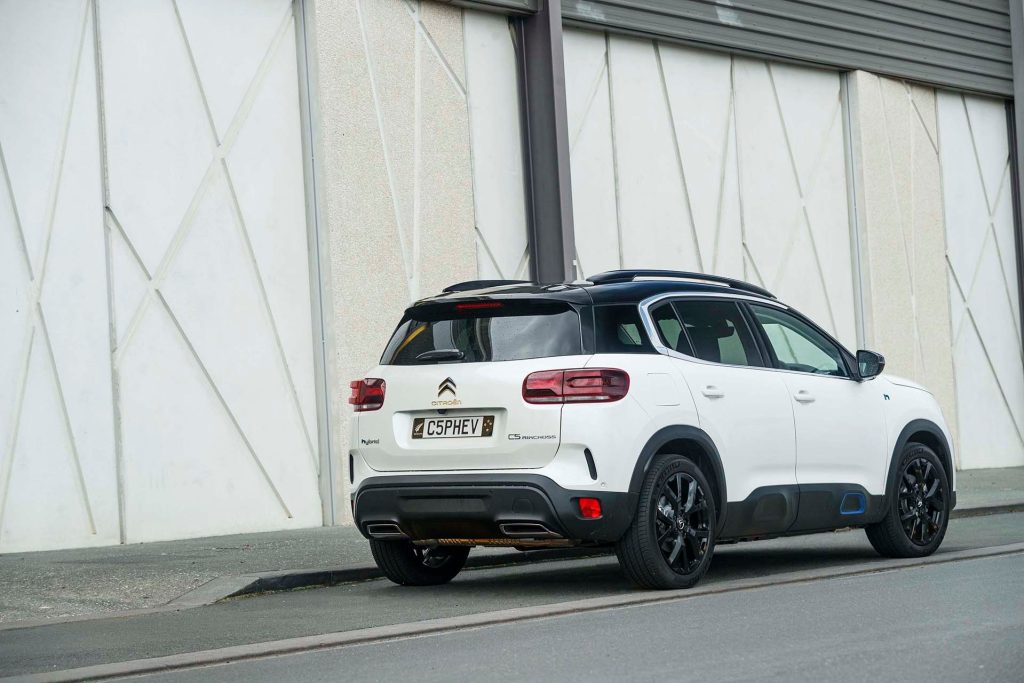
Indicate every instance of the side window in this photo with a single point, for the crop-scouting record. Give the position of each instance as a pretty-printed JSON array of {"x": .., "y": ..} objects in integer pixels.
[
  {"x": 797, "y": 345},
  {"x": 619, "y": 330},
  {"x": 670, "y": 329},
  {"x": 719, "y": 332}
]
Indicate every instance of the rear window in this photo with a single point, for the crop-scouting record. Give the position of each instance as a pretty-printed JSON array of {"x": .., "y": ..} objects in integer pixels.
[{"x": 475, "y": 332}]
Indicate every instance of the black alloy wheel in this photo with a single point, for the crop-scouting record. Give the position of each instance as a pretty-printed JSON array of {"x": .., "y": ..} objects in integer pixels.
[
  {"x": 682, "y": 523},
  {"x": 922, "y": 501},
  {"x": 917, "y": 504},
  {"x": 671, "y": 540}
]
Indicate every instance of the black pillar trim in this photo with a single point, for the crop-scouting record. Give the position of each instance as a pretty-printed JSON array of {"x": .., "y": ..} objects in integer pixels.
[
  {"x": 545, "y": 131},
  {"x": 1015, "y": 124}
]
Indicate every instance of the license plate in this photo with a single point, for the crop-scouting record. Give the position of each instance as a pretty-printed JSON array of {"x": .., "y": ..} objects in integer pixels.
[{"x": 452, "y": 427}]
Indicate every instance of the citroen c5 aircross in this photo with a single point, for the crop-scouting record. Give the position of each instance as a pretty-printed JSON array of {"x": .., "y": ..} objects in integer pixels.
[{"x": 656, "y": 412}]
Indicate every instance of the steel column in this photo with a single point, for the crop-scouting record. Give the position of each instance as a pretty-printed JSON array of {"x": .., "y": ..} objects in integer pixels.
[
  {"x": 1015, "y": 120},
  {"x": 545, "y": 144}
]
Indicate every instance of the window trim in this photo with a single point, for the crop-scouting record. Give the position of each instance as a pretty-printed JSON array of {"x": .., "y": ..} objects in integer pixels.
[{"x": 652, "y": 332}]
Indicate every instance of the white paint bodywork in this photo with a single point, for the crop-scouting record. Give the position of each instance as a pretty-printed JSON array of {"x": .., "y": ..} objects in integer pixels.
[{"x": 764, "y": 435}]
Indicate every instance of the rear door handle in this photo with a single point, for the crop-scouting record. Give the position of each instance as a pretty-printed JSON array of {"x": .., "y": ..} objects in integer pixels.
[
  {"x": 804, "y": 396},
  {"x": 711, "y": 391}
]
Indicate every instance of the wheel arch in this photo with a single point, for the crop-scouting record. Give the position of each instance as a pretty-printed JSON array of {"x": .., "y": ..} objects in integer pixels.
[
  {"x": 693, "y": 443},
  {"x": 923, "y": 432}
]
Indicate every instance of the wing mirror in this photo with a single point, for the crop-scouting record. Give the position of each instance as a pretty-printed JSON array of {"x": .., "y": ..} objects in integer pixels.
[{"x": 869, "y": 364}]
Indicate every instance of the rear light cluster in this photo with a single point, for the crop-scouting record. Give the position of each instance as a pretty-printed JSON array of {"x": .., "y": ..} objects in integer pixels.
[
  {"x": 367, "y": 394},
  {"x": 588, "y": 385}
]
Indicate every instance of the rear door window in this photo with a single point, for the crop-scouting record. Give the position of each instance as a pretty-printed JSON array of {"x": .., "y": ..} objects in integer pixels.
[
  {"x": 718, "y": 332},
  {"x": 475, "y": 332}
]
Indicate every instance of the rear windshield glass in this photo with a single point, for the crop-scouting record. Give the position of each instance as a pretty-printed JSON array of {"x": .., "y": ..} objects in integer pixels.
[{"x": 493, "y": 332}]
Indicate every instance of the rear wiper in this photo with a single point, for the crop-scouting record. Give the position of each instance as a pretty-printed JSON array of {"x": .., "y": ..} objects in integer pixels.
[{"x": 441, "y": 354}]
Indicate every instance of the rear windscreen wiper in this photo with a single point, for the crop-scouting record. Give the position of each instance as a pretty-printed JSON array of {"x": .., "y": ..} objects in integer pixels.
[{"x": 441, "y": 354}]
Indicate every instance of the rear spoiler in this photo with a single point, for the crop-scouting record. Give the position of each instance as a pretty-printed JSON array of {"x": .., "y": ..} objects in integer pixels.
[{"x": 470, "y": 285}]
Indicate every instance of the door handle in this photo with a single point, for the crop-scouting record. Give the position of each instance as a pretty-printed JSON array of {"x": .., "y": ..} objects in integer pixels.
[
  {"x": 711, "y": 391},
  {"x": 804, "y": 396}
]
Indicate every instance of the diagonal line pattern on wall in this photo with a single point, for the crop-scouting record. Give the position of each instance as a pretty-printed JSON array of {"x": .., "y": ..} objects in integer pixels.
[
  {"x": 36, "y": 321},
  {"x": 240, "y": 116}
]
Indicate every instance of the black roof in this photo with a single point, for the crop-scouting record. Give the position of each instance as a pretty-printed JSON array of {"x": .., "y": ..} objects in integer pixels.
[{"x": 613, "y": 287}]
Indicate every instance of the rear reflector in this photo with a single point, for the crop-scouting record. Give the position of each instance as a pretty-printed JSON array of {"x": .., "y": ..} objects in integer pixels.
[
  {"x": 587, "y": 385},
  {"x": 590, "y": 508},
  {"x": 367, "y": 394}
]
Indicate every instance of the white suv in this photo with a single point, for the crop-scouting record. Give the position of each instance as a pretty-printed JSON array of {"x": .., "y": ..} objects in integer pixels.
[{"x": 657, "y": 411}]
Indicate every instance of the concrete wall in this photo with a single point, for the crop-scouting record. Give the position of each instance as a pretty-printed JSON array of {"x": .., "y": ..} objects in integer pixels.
[
  {"x": 696, "y": 160},
  {"x": 982, "y": 275},
  {"x": 399, "y": 167},
  {"x": 898, "y": 200}
]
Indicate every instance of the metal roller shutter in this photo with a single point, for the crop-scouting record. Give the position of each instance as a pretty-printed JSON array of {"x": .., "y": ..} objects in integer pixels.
[{"x": 945, "y": 42}]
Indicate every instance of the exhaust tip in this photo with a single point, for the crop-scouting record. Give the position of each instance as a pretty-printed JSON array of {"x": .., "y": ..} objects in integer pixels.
[
  {"x": 387, "y": 530},
  {"x": 527, "y": 530}
]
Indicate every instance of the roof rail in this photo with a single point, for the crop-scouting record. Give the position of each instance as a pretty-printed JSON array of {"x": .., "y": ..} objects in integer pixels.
[
  {"x": 630, "y": 275},
  {"x": 481, "y": 284}
]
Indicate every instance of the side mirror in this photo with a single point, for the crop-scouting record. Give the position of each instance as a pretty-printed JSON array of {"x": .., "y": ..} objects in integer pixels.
[{"x": 869, "y": 364}]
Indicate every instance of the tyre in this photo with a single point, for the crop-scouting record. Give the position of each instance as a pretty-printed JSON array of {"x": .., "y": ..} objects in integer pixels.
[
  {"x": 918, "y": 514},
  {"x": 411, "y": 565},
  {"x": 672, "y": 537}
]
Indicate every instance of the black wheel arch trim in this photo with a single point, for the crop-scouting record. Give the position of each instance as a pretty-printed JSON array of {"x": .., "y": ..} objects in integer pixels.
[
  {"x": 667, "y": 435},
  {"x": 945, "y": 453}
]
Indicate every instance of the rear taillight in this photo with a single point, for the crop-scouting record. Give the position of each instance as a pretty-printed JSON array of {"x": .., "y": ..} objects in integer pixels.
[
  {"x": 587, "y": 385},
  {"x": 367, "y": 394}
]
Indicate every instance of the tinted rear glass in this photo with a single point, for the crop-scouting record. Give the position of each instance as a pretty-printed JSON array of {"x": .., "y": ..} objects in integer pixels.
[
  {"x": 619, "y": 330},
  {"x": 513, "y": 331}
]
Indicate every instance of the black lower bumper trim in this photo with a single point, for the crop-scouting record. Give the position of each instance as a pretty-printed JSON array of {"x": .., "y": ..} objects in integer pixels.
[{"x": 478, "y": 506}]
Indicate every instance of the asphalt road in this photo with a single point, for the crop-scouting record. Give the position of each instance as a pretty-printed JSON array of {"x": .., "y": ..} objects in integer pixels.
[
  {"x": 949, "y": 617},
  {"x": 945, "y": 622}
]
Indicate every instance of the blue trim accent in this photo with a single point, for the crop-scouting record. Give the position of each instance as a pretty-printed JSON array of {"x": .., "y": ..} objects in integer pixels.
[{"x": 862, "y": 504}]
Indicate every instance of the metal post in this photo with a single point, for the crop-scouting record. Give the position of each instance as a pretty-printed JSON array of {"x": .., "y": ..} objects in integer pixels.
[
  {"x": 1015, "y": 121},
  {"x": 545, "y": 143}
]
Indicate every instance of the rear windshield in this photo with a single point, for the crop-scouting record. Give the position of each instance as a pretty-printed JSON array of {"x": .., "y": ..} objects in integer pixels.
[{"x": 496, "y": 331}]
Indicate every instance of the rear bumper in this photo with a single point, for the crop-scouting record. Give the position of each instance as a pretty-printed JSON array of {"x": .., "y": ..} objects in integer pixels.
[{"x": 483, "y": 506}]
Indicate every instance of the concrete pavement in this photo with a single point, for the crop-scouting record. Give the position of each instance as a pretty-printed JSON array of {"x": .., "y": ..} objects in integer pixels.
[{"x": 92, "y": 581}]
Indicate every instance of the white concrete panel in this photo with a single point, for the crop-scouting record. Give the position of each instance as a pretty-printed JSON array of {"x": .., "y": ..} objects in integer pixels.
[
  {"x": 45, "y": 505},
  {"x": 228, "y": 45},
  {"x": 706, "y": 137},
  {"x": 898, "y": 186},
  {"x": 212, "y": 291},
  {"x": 963, "y": 194},
  {"x": 178, "y": 445},
  {"x": 266, "y": 168},
  {"x": 57, "y": 426},
  {"x": 974, "y": 149},
  {"x": 129, "y": 282},
  {"x": 74, "y": 303},
  {"x": 711, "y": 163},
  {"x": 159, "y": 141},
  {"x": 592, "y": 165},
  {"x": 655, "y": 228},
  {"x": 40, "y": 44},
  {"x": 493, "y": 97}
]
